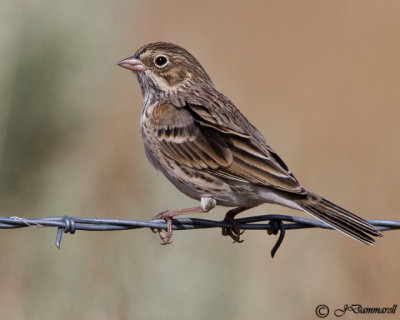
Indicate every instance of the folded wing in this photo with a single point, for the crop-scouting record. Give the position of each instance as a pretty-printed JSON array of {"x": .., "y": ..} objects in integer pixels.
[{"x": 193, "y": 137}]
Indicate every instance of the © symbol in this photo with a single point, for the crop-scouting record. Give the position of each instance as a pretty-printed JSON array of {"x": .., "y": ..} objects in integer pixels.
[{"x": 322, "y": 311}]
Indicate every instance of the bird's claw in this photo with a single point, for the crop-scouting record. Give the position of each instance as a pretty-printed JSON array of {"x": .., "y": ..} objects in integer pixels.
[
  {"x": 165, "y": 235},
  {"x": 234, "y": 232}
]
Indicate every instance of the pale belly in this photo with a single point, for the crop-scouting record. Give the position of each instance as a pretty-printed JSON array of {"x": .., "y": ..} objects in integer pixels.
[{"x": 225, "y": 193}]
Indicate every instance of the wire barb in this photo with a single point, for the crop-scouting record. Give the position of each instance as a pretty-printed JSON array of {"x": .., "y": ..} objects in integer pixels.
[
  {"x": 69, "y": 227},
  {"x": 275, "y": 225}
]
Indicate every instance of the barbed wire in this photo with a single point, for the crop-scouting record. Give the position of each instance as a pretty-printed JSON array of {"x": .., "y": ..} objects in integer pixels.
[{"x": 275, "y": 225}]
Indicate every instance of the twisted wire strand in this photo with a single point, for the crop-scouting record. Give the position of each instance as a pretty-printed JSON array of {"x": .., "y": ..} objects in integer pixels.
[{"x": 275, "y": 224}]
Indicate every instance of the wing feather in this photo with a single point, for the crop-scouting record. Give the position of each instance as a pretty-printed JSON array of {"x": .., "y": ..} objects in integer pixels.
[{"x": 194, "y": 137}]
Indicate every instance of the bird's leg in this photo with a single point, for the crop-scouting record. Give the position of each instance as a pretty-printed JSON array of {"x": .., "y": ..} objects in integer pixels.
[
  {"x": 235, "y": 231},
  {"x": 206, "y": 205},
  {"x": 167, "y": 216}
]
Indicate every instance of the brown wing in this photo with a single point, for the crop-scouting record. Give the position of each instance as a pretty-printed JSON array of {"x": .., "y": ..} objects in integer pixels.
[
  {"x": 184, "y": 141},
  {"x": 193, "y": 137}
]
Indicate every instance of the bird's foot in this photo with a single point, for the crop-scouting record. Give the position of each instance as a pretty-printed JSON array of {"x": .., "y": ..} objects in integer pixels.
[
  {"x": 234, "y": 232},
  {"x": 165, "y": 235}
]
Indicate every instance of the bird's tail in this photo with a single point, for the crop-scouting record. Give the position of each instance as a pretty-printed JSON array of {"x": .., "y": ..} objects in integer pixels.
[{"x": 339, "y": 218}]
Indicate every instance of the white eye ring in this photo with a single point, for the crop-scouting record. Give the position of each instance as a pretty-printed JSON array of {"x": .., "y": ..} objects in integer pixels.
[{"x": 160, "y": 61}]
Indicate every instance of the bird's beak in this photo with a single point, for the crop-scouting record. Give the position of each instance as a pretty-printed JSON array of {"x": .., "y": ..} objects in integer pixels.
[{"x": 132, "y": 64}]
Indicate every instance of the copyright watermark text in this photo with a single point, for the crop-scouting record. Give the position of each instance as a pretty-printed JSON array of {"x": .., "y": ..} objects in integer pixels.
[{"x": 322, "y": 310}]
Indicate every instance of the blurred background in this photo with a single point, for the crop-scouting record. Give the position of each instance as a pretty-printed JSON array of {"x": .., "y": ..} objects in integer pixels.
[{"x": 320, "y": 79}]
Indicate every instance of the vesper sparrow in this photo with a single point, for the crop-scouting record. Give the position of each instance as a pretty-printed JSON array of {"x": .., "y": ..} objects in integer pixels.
[{"x": 207, "y": 148}]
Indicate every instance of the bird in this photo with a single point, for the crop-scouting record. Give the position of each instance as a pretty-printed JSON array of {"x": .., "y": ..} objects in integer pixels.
[{"x": 211, "y": 152}]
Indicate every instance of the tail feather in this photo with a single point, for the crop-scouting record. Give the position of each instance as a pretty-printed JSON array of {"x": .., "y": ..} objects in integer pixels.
[{"x": 340, "y": 219}]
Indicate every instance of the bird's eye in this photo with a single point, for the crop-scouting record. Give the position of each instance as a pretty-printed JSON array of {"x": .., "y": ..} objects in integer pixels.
[{"x": 160, "y": 61}]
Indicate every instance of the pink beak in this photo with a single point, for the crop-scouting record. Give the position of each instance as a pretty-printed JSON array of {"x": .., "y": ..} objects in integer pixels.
[{"x": 132, "y": 64}]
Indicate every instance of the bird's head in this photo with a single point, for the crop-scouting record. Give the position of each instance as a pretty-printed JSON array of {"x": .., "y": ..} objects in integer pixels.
[{"x": 166, "y": 69}]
